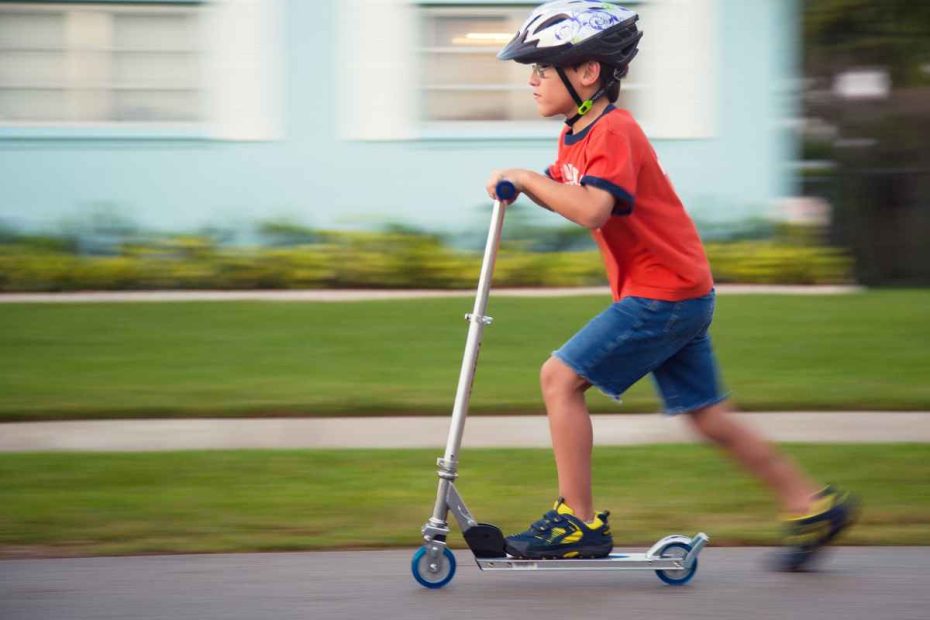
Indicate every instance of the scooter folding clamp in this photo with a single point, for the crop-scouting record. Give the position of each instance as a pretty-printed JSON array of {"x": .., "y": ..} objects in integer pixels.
[
  {"x": 484, "y": 320},
  {"x": 447, "y": 469}
]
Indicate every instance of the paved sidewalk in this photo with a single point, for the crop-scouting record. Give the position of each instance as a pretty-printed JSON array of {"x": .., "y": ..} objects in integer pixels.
[
  {"x": 373, "y": 294},
  {"x": 423, "y": 432}
]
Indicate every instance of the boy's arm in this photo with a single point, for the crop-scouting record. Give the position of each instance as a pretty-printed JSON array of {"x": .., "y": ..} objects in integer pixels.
[{"x": 585, "y": 205}]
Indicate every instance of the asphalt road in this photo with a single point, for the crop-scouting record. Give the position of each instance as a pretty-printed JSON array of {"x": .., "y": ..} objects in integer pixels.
[{"x": 856, "y": 582}]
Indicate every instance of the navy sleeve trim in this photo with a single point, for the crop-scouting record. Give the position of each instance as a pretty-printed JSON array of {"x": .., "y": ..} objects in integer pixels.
[
  {"x": 546, "y": 172},
  {"x": 624, "y": 201}
]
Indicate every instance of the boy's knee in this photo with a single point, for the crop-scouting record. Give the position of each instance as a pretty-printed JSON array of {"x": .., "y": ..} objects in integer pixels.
[
  {"x": 713, "y": 422},
  {"x": 717, "y": 424},
  {"x": 556, "y": 378}
]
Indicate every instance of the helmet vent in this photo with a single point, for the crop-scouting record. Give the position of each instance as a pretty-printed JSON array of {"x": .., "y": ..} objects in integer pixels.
[
  {"x": 526, "y": 28},
  {"x": 555, "y": 19}
]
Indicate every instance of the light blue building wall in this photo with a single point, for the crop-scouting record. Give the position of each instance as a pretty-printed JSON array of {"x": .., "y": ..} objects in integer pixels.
[{"x": 311, "y": 172}]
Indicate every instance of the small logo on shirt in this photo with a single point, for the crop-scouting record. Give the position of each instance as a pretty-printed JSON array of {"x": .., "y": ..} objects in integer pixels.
[{"x": 570, "y": 175}]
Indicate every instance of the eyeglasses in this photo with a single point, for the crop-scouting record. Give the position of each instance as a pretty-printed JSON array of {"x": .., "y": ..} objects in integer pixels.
[{"x": 540, "y": 70}]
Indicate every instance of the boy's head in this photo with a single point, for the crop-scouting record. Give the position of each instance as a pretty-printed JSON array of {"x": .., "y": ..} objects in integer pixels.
[{"x": 587, "y": 44}]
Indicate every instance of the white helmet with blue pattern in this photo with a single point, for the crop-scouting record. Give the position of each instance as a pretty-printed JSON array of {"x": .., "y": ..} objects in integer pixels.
[{"x": 567, "y": 32}]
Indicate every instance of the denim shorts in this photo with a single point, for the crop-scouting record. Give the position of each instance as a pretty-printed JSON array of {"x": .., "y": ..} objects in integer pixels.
[{"x": 636, "y": 336}]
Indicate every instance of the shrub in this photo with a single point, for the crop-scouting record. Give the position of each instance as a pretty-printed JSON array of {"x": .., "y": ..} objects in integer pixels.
[{"x": 380, "y": 260}]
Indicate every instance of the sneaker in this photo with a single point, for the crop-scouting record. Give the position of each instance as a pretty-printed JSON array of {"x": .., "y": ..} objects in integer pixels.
[
  {"x": 560, "y": 534},
  {"x": 805, "y": 536}
]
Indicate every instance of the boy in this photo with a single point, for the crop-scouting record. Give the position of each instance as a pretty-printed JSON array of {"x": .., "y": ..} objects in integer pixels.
[{"x": 608, "y": 179}]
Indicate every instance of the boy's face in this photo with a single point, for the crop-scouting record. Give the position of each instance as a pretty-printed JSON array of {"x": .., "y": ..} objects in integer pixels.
[{"x": 552, "y": 98}]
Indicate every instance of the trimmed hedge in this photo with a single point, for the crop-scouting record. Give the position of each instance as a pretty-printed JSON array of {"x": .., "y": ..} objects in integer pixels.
[
  {"x": 772, "y": 263},
  {"x": 377, "y": 260}
]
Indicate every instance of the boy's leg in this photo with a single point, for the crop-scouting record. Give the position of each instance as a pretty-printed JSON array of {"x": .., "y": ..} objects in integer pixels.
[
  {"x": 571, "y": 529},
  {"x": 816, "y": 516},
  {"x": 572, "y": 437},
  {"x": 793, "y": 488},
  {"x": 611, "y": 352},
  {"x": 689, "y": 384}
]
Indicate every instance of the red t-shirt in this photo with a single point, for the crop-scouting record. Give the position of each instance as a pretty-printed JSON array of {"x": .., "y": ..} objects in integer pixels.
[{"x": 650, "y": 245}]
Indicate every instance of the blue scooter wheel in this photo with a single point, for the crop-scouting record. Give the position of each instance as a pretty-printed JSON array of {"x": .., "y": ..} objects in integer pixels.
[
  {"x": 677, "y": 577},
  {"x": 430, "y": 579}
]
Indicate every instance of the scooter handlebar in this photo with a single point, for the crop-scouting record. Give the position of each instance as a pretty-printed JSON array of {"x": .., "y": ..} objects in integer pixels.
[{"x": 505, "y": 190}]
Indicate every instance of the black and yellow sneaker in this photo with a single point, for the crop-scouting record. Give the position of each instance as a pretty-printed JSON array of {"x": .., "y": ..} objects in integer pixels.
[
  {"x": 833, "y": 511},
  {"x": 560, "y": 534}
]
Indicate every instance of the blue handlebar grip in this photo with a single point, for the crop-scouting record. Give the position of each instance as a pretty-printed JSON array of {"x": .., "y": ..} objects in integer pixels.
[{"x": 505, "y": 190}]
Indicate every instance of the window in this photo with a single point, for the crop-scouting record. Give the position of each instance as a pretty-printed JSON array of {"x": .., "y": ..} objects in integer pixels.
[
  {"x": 462, "y": 79},
  {"x": 79, "y": 64},
  {"x": 461, "y": 76}
]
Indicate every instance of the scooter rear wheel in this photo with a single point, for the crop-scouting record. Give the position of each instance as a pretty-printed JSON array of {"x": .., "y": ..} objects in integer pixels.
[{"x": 676, "y": 577}]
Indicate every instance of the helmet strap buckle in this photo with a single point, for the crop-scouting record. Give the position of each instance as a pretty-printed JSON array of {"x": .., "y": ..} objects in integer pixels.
[
  {"x": 575, "y": 97},
  {"x": 585, "y": 106}
]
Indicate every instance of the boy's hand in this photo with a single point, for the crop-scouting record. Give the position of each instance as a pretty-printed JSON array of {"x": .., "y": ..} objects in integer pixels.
[
  {"x": 587, "y": 206},
  {"x": 514, "y": 175}
]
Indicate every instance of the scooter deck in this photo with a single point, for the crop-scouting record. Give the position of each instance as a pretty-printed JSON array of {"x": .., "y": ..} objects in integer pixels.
[
  {"x": 650, "y": 560},
  {"x": 614, "y": 561}
]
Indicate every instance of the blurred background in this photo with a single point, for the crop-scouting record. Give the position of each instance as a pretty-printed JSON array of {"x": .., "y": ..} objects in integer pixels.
[
  {"x": 179, "y": 129},
  {"x": 297, "y": 144}
]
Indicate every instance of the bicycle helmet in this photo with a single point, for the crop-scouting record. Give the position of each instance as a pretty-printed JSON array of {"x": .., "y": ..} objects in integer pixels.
[{"x": 566, "y": 33}]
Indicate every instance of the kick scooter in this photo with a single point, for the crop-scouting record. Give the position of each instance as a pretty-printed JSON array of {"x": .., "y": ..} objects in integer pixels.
[{"x": 673, "y": 558}]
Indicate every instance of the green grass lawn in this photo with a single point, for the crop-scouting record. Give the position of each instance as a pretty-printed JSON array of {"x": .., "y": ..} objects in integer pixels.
[
  {"x": 862, "y": 351},
  {"x": 69, "y": 504}
]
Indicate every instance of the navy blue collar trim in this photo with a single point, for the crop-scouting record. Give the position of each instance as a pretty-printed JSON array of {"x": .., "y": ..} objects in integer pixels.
[{"x": 572, "y": 138}]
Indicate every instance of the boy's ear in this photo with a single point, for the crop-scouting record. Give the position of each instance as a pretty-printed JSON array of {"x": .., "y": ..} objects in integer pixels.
[{"x": 592, "y": 72}]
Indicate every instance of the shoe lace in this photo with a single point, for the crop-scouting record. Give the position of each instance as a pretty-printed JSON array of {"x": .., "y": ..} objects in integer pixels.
[{"x": 547, "y": 522}]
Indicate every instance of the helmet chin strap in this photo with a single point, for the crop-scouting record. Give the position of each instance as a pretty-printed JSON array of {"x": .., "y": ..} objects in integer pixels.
[{"x": 583, "y": 106}]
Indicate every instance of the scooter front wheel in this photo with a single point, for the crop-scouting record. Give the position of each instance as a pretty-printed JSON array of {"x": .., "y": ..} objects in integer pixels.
[
  {"x": 433, "y": 573},
  {"x": 676, "y": 577}
]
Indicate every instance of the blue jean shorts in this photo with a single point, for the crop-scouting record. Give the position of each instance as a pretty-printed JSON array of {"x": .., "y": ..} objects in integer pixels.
[{"x": 636, "y": 336}]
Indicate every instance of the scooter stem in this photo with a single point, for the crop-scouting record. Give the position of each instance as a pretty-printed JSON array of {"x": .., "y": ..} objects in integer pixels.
[{"x": 477, "y": 321}]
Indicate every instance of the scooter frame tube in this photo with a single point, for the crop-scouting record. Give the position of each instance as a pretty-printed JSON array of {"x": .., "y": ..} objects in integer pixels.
[{"x": 448, "y": 465}]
